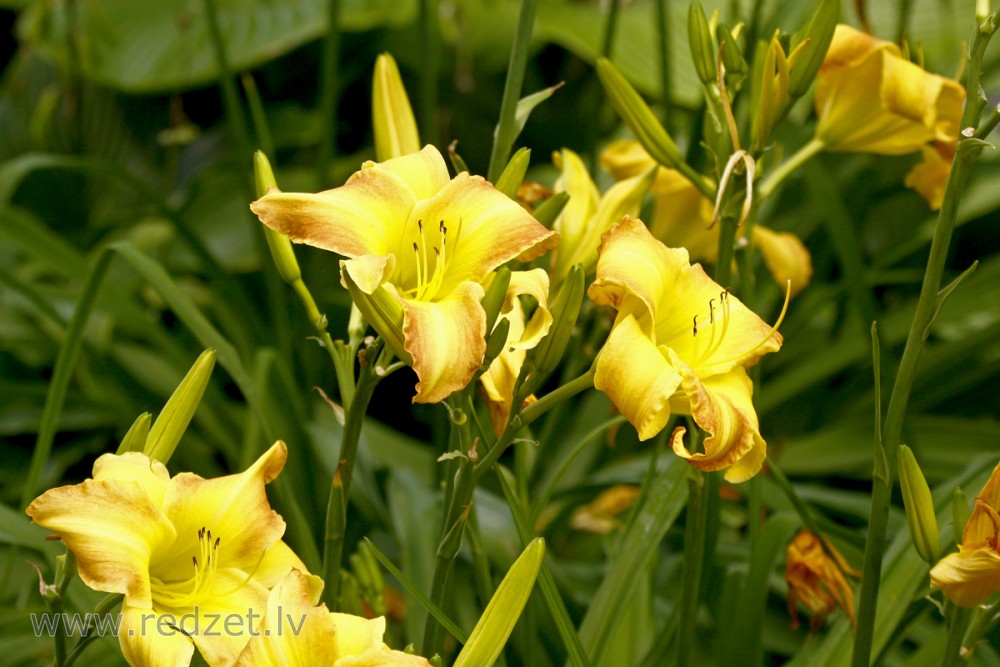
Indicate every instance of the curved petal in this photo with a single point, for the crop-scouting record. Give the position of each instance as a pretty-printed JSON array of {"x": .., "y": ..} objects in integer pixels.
[
  {"x": 637, "y": 377},
  {"x": 682, "y": 217},
  {"x": 982, "y": 527},
  {"x": 932, "y": 101},
  {"x": 146, "y": 641},
  {"x": 968, "y": 577},
  {"x": 584, "y": 196},
  {"x": 365, "y": 216},
  {"x": 295, "y": 633},
  {"x": 234, "y": 508},
  {"x": 722, "y": 406},
  {"x": 786, "y": 257},
  {"x": 635, "y": 272},
  {"x": 533, "y": 283},
  {"x": 483, "y": 228},
  {"x": 710, "y": 329},
  {"x": 369, "y": 271},
  {"x": 424, "y": 172},
  {"x": 930, "y": 176},
  {"x": 446, "y": 340},
  {"x": 354, "y": 635},
  {"x": 277, "y": 562},
  {"x": 382, "y": 657},
  {"x": 227, "y": 617},
  {"x": 625, "y": 158},
  {"x": 148, "y": 473},
  {"x": 113, "y": 528}
]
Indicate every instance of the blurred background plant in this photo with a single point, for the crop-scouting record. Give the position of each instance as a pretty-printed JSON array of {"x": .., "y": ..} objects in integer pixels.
[{"x": 126, "y": 139}]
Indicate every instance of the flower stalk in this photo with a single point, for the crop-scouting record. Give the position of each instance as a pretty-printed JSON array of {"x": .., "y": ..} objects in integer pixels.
[{"x": 929, "y": 302}]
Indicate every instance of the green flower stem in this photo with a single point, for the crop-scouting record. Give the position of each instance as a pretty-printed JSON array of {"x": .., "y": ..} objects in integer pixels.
[
  {"x": 983, "y": 620},
  {"x": 103, "y": 607},
  {"x": 724, "y": 260},
  {"x": 430, "y": 65},
  {"x": 330, "y": 73},
  {"x": 989, "y": 124},
  {"x": 965, "y": 154},
  {"x": 788, "y": 167},
  {"x": 530, "y": 414},
  {"x": 506, "y": 130},
  {"x": 695, "y": 530},
  {"x": 340, "y": 487},
  {"x": 958, "y": 621},
  {"x": 458, "y": 509},
  {"x": 800, "y": 506}
]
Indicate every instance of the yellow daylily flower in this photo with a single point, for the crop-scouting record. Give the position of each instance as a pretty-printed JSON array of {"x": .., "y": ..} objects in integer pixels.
[
  {"x": 588, "y": 214},
  {"x": 295, "y": 633},
  {"x": 524, "y": 334},
  {"x": 418, "y": 246},
  {"x": 680, "y": 343},
  {"x": 816, "y": 578},
  {"x": 600, "y": 515},
  {"x": 870, "y": 99},
  {"x": 970, "y": 576},
  {"x": 682, "y": 218},
  {"x": 186, "y": 552},
  {"x": 930, "y": 176}
]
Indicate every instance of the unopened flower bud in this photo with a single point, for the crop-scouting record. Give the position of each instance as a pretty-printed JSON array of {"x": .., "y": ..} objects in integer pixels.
[
  {"x": 392, "y": 116},
  {"x": 173, "y": 421},
  {"x": 919, "y": 506}
]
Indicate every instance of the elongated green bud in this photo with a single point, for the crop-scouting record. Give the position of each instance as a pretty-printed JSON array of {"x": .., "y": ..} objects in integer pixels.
[
  {"x": 565, "y": 311},
  {"x": 497, "y": 622},
  {"x": 638, "y": 116},
  {"x": 513, "y": 174},
  {"x": 960, "y": 514},
  {"x": 392, "y": 116},
  {"x": 496, "y": 293},
  {"x": 171, "y": 424},
  {"x": 702, "y": 43},
  {"x": 919, "y": 506},
  {"x": 732, "y": 57},
  {"x": 279, "y": 245},
  {"x": 496, "y": 341},
  {"x": 135, "y": 439},
  {"x": 809, "y": 46},
  {"x": 551, "y": 208}
]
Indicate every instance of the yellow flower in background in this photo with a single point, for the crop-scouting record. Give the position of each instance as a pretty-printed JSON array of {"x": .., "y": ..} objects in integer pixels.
[
  {"x": 680, "y": 343},
  {"x": 524, "y": 334},
  {"x": 183, "y": 550},
  {"x": 816, "y": 577},
  {"x": 600, "y": 515},
  {"x": 970, "y": 576},
  {"x": 418, "y": 244},
  {"x": 588, "y": 214},
  {"x": 295, "y": 633},
  {"x": 869, "y": 99},
  {"x": 930, "y": 176},
  {"x": 682, "y": 218}
]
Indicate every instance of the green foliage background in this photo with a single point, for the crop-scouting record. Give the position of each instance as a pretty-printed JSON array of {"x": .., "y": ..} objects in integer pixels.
[{"x": 113, "y": 135}]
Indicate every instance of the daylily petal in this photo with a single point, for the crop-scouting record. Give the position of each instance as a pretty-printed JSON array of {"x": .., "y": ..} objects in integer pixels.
[
  {"x": 445, "y": 339},
  {"x": 233, "y": 601},
  {"x": 637, "y": 377},
  {"x": 485, "y": 228},
  {"x": 722, "y": 406},
  {"x": 382, "y": 657},
  {"x": 145, "y": 644},
  {"x": 968, "y": 577},
  {"x": 294, "y": 632},
  {"x": 113, "y": 529},
  {"x": 355, "y": 635},
  {"x": 634, "y": 272},
  {"x": 869, "y": 99},
  {"x": 235, "y": 508},
  {"x": 626, "y": 158},
  {"x": 533, "y": 283},
  {"x": 369, "y": 271},
  {"x": 584, "y": 197},
  {"x": 277, "y": 562},
  {"x": 425, "y": 173},
  {"x": 786, "y": 257},
  {"x": 365, "y": 216},
  {"x": 929, "y": 177},
  {"x": 983, "y": 526},
  {"x": 148, "y": 473}
]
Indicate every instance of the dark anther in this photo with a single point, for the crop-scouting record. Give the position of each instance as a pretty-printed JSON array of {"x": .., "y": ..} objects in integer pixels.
[{"x": 695, "y": 327}]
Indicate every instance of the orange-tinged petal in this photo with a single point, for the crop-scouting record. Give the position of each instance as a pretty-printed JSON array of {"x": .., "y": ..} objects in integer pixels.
[
  {"x": 113, "y": 529},
  {"x": 635, "y": 272},
  {"x": 929, "y": 177},
  {"x": 722, "y": 406},
  {"x": 365, "y": 216},
  {"x": 445, "y": 339},
  {"x": 983, "y": 527},
  {"x": 637, "y": 377},
  {"x": 294, "y": 633},
  {"x": 786, "y": 257},
  {"x": 143, "y": 644},
  {"x": 234, "y": 508},
  {"x": 968, "y": 577},
  {"x": 485, "y": 228}
]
